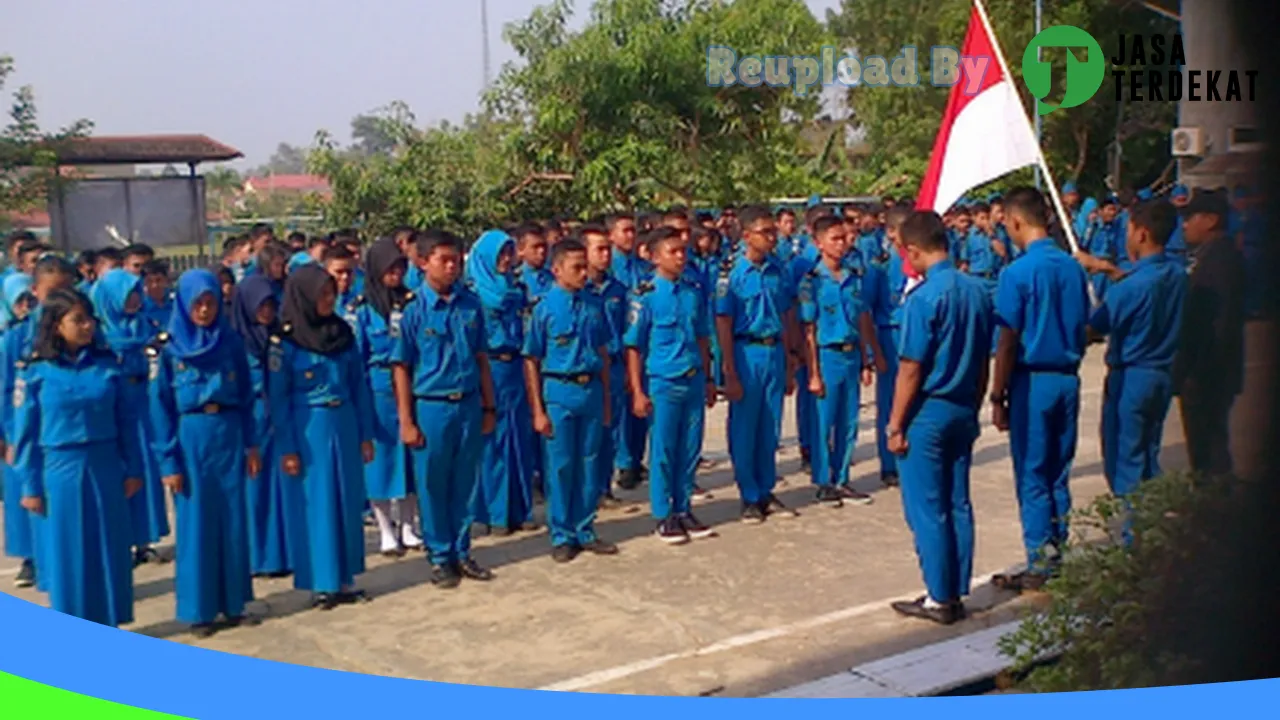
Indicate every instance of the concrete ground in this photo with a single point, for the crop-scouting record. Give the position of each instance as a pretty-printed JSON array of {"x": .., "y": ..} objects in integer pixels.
[{"x": 757, "y": 609}]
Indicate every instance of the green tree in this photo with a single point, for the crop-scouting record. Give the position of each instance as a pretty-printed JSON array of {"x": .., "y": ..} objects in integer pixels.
[
  {"x": 901, "y": 123},
  {"x": 222, "y": 185},
  {"x": 28, "y": 154},
  {"x": 381, "y": 131},
  {"x": 286, "y": 160}
]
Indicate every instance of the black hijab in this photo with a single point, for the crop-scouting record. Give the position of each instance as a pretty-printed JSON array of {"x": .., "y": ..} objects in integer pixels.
[
  {"x": 382, "y": 256},
  {"x": 325, "y": 335}
]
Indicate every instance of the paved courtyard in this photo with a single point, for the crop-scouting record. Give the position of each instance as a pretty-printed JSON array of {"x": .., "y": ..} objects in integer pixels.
[{"x": 752, "y": 611}]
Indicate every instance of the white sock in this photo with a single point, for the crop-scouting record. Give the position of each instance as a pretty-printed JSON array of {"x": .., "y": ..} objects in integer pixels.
[
  {"x": 382, "y": 514},
  {"x": 931, "y": 604},
  {"x": 407, "y": 510}
]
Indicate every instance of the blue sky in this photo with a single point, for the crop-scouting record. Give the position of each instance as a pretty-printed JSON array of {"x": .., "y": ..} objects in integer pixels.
[{"x": 253, "y": 74}]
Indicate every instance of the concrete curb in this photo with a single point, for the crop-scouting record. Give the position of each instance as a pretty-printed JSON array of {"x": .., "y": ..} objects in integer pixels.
[{"x": 928, "y": 671}]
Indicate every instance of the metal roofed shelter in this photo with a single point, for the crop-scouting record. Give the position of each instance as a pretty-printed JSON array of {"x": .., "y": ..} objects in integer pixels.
[{"x": 164, "y": 211}]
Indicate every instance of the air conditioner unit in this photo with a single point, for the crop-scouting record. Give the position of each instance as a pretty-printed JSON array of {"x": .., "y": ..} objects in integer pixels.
[{"x": 1188, "y": 141}]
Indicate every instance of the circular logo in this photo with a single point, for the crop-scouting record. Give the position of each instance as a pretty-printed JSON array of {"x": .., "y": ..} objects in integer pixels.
[{"x": 1084, "y": 77}]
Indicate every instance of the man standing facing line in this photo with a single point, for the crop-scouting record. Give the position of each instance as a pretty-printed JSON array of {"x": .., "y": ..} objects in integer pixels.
[
  {"x": 1209, "y": 370},
  {"x": 1042, "y": 307},
  {"x": 942, "y": 377}
]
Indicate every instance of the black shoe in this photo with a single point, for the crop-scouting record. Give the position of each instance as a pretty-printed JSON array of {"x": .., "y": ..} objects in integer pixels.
[
  {"x": 609, "y": 502},
  {"x": 806, "y": 463},
  {"x": 643, "y": 472},
  {"x": 279, "y": 574},
  {"x": 203, "y": 630},
  {"x": 628, "y": 479},
  {"x": 1020, "y": 582},
  {"x": 324, "y": 601},
  {"x": 698, "y": 494},
  {"x": 773, "y": 506},
  {"x": 26, "y": 575},
  {"x": 144, "y": 555},
  {"x": 471, "y": 570},
  {"x": 445, "y": 576},
  {"x": 941, "y": 614},
  {"x": 600, "y": 547},
  {"x": 889, "y": 479},
  {"x": 353, "y": 597},
  {"x": 529, "y": 526},
  {"x": 396, "y": 552},
  {"x": 500, "y": 531},
  {"x": 245, "y": 620},
  {"x": 829, "y": 496},
  {"x": 853, "y": 496},
  {"x": 752, "y": 514},
  {"x": 671, "y": 532},
  {"x": 694, "y": 527},
  {"x": 564, "y": 553}
]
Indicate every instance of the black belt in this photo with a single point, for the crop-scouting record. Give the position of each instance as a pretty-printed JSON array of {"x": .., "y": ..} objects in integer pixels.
[
  {"x": 449, "y": 397},
  {"x": 209, "y": 409},
  {"x": 575, "y": 378},
  {"x": 752, "y": 340},
  {"x": 504, "y": 355},
  {"x": 841, "y": 347},
  {"x": 136, "y": 379},
  {"x": 334, "y": 403},
  {"x": 985, "y": 275}
]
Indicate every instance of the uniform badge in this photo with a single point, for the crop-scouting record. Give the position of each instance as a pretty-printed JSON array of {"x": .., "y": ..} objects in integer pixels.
[
  {"x": 275, "y": 359},
  {"x": 393, "y": 323},
  {"x": 633, "y": 314},
  {"x": 722, "y": 286},
  {"x": 563, "y": 340},
  {"x": 181, "y": 366},
  {"x": 153, "y": 367},
  {"x": 19, "y": 392},
  {"x": 431, "y": 332},
  {"x": 308, "y": 375}
]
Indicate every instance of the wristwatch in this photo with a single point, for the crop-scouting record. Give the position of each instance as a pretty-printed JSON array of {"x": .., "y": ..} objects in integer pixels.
[{"x": 998, "y": 399}]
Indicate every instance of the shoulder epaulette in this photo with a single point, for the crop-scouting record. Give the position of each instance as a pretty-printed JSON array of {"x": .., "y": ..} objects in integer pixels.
[
  {"x": 274, "y": 338},
  {"x": 286, "y": 328},
  {"x": 409, "y": 296},
  {"x": 157, "y": 344},
  {"x": 644, "y": 286}
]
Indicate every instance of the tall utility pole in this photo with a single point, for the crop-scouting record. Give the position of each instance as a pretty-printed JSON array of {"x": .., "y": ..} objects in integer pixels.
[
  {"x": 484, "y": 38},
  {"x": 1039, "y": 117}
]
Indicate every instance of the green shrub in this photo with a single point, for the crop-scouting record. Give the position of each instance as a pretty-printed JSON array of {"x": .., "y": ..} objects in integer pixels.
[{"x": 1150, "y": 613}]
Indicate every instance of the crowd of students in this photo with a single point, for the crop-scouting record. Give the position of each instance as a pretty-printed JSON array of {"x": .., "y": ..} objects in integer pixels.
[{"x": 297, "y": 386}]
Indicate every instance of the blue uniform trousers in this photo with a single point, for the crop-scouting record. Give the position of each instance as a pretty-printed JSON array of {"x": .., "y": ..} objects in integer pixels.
[
  {"x": 444, "y": 473},
  {"x": 806, "y": 414},
  {"x": 837, "y": 410},
  {"x": 629, "y": 438},
  {"x": 570, "y": 459},
  {"x": 885, "y": 381},
  {"x": 754, "y": 420},
  {"x": 1134, "y": 404},
  {"x": 679, "y": 415},
  {"x": 935, "y": 494},
  {"x": 19, "y": 523},
  {"x": 1044, "y": 411},
  {"x": 610, "y": 436}
]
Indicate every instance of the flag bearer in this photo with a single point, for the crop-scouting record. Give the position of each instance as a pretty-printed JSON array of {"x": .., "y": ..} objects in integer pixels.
[
  {"x": 942, "y": 376},
  {"x": 1042, "y": 306},
  {"x": 838, "y": 331},
  {"x": 669, "y": 359}
]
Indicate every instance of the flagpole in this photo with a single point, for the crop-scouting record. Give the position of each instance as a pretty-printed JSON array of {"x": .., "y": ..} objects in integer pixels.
[{"x": 1040, "y": 161}]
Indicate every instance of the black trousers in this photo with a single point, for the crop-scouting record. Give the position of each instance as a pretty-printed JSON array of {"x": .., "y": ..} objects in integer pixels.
[{"x": 1205, "y": 423}]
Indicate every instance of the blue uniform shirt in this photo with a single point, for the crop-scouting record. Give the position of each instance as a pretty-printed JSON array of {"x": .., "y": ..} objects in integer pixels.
[
  {"x": 300, "y": 377},
  {"x": 536, "y": 282},
  {"x": 755, "y": 296},
  {"x": 611, "y": 299},
  {"x": 982, "y": 259},
  {"x": 833, "y": 304},
  {"x": 885, "y": 291},
  {"x": 870, "y": 245},
  {"x": 413, "y": 278},
  {"x": 664, "y": 323},
  {"x": 1045, "y": 297},
  {"x": 946, "y": 327},
  {"x": 439, "y": 340},
  {"x": 298, "y": 259},
  {"x": 376, "y": 338},
  {"x": 17, "y": 345},
  {"x": 566, "y": 332},
  {"x": 1142, "y": 314}
]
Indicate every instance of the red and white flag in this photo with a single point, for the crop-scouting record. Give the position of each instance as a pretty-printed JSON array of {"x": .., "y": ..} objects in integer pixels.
[{"x": 985, "y": 132}]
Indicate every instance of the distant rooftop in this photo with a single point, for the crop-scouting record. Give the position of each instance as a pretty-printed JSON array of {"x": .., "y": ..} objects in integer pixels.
[
  {"x": 287, "y": 183},
  {"x": 145, "y": 150}
]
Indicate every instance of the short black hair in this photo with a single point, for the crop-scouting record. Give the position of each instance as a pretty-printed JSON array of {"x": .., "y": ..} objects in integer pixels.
[
  {"x": 155, "y": 266},
  {"x": 86, "y": 257},
  {"x": 1107, "y": 201},
  {"x": 346, "y": 236},
  {"x": 318, "y": 240},
  {"x": 924, "y": 230},
  {"x": 704, "y": 217},
  {"x": 30, "y": 246},
  {"x": 563, "y": 248},
  {"x": 111, "y": 254},
  {"x": 552, "y": 224},
  {"x": 676, "y": 213},
  {"x": 337, "y": 252},
  {"x": 590, "y": 229},
  {"x": 897, "y": 215},
  {"x": 785, "y": 211},
  {"x": 426, "y": 241},
  {"x": 1158, "y": 216},
  {"x": 979, "y": 207},
  {"x": 817, "y": 211},
  {"x": 139, "y": 249},
  {"x": 825, "y": 223},
  {"x": 611, "y": 221},
  {"x": 660, "y": 236},
  {"x": 753, "y": 214},
  {"x": 259, "y": 230},
  {"x": 402, "y": 231},
  {"x": 50, "y": 264},
  {"x": 298, "y": 237},
  {"x": 1028, "y": 204},
  {"x": 233, "y": 243},
  {"x": 526, "y": 229},
  {"x": 18, "y": 237}
]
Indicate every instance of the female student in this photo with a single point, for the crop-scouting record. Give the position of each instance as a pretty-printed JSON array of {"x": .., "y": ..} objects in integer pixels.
[
  {"x": 18, "y": 540},
  {"x": 277, "y": 531},
  {"x": 117, "y": 297},
  {"x": 504, "y": 495},
  {"x": 202, "y": 431},
  {"x": 79, "y": 462},
  {"x": 377, "y": 325},
  {"x": 323, "y": 420}
]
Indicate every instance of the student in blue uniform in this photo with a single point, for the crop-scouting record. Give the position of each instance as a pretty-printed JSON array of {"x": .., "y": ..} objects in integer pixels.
[
  {"x": 755, "y": 319},
  {"x": 79, "y": 464},
  {"x": 135, "y": 256},
  {"x": 610, "y": 296},
  {"x": 869, "y": 242},
  {"x": 118, "y": 299},
  {"x": 1176, "y": 248},
  {"x": 806, "y": 257},
  {"x": 157, "y": 296},
  {"x": 669, "y": 361},
  {"x": 984, "y": 254},
  {"x": 1101, "y": 244},
  {"x": 840, "y": 349},
  {"x": 788, "y": 240},
  {"x": 532, "y": 248},
  {"x": 377, "y": 325},
  {"x": 277, "y": 530},
  {"x": 1042, "y": 307},
  {"x": 567, "y": 371},
  {"x": 85, "y": 263},
  {"x": 18, "y": 541},
  {"x": 888, "y": 288},
  {"x": 273, "y": 261},
  {"x": 313, "y": 253},
  {"x": 201, "y": 410},
  {"x": 503, "y": 501},
  {"x": 341, "y": 266},
  {"x": 403, "y": 238},
  {"x": 445, "y": 404},
  {"x": 1141, "y": 315},
  {"x": 21, "y": 538},
  {"x": 628, "y": 268},
  {"x": 942, "y": 377},
  {"x": 323, "y": 420}
]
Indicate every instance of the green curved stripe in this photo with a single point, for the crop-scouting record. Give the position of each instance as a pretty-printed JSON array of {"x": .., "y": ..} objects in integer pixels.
[{"x": 24, "y": 698}]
